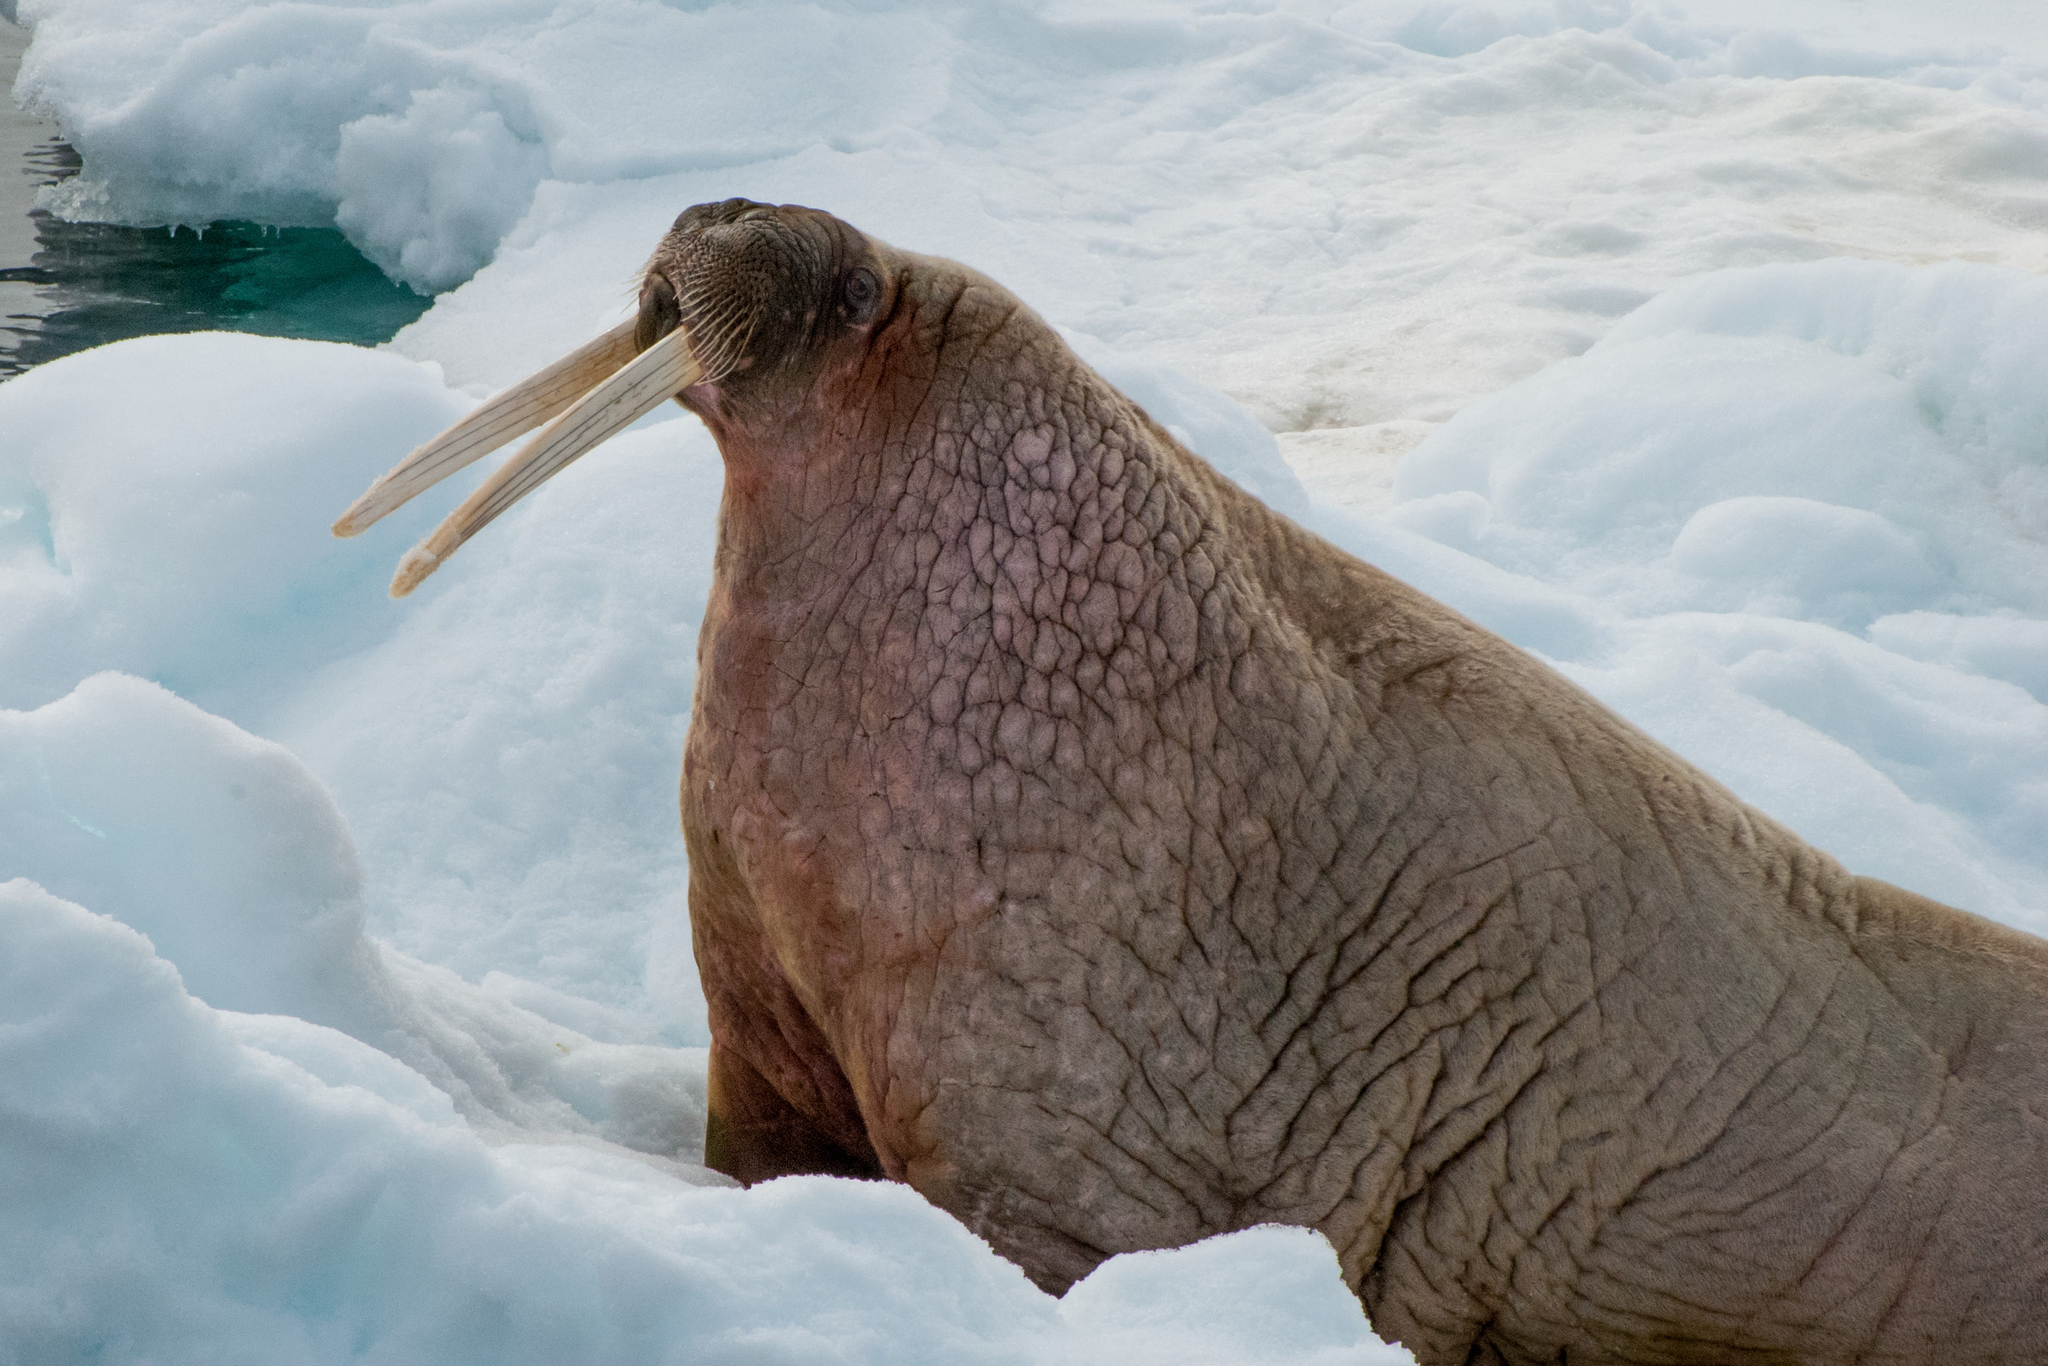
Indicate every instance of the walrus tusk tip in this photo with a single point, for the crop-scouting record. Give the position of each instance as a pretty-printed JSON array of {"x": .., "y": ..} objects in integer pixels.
[
  {"x": 363, "y": 513},
  {"x": 417, "y": 564}
]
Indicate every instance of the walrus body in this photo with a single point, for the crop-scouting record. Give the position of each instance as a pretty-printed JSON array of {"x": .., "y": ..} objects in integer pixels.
[{"x": 1082, "y": 843}]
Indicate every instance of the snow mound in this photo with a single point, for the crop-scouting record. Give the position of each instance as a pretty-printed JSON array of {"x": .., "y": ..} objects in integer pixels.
[
  {"x": 506, "y": 744},
  {"x": 179, "y": 1182},
  {"x": 164, "y": 506},
  {"x": 232, "y": 858}
]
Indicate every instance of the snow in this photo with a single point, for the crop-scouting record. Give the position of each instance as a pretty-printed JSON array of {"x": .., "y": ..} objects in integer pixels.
[
  {"x": 186, "y": 1183},
  {"x": 1696, "y": 353},
  {"x": 231, "y": 857}
]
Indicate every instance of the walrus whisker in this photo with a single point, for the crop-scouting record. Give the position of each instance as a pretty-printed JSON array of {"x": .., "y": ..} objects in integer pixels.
[
  {"x": 740, "y": 348},
  {"x": 642, "y": 385},
  {"x": 505, "y": 416},
  {"x": 715, "y": 334},
  {"x": 716, "y": 342},
  {"x": 716, "y": 337}
]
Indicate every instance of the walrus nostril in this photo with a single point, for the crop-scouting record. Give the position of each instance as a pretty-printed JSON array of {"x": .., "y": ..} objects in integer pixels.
[{"x": 659, "y": 311}]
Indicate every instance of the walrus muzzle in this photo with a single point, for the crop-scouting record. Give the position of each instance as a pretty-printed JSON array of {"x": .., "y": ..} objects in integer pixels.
[{"x": 584, "y": 398}]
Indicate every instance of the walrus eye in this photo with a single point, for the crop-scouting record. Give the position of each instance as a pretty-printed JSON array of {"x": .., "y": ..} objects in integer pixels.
[{"x": 861, "y": 291}]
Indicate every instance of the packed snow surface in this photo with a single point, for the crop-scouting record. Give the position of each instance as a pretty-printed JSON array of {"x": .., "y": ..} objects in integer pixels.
[{"x": 347, "y": 1009}]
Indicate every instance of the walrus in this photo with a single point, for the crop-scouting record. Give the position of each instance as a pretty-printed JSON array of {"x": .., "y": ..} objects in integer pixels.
[{"x": 1117, "y": 863}]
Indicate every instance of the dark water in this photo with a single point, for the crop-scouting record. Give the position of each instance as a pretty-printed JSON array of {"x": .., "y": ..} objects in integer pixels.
[
  {"x": 68, "y": 286},
  {"x": 96, "y": 283}
]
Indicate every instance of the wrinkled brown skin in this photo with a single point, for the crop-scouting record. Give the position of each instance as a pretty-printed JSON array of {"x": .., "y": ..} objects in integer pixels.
[{"x": 1116, "y": 863}]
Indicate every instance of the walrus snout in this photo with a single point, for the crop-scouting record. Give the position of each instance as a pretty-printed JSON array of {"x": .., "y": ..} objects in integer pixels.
[
  {"x": 682, "y": 251},
  {"x": 759, "y": 287}
]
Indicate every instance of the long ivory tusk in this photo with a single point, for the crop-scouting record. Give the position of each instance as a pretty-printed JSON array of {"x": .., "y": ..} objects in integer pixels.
[
  {"x": 502, "y": 417},
  {"x": 657, "y": 374}
]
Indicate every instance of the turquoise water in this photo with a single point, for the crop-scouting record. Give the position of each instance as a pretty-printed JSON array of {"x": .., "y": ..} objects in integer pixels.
[
  {"x": 101, "y": 283},
  {"x": 85, "y": 284}
]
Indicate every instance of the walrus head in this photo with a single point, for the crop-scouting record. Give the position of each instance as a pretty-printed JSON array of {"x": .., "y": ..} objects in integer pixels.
[{"x": 744, "y": 310}]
